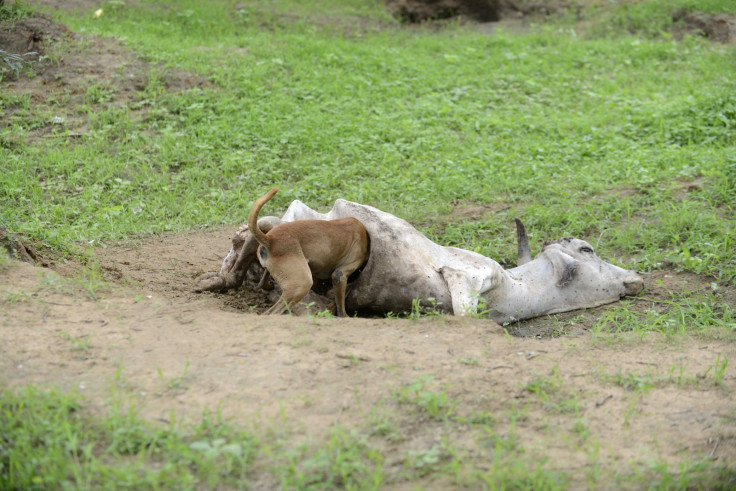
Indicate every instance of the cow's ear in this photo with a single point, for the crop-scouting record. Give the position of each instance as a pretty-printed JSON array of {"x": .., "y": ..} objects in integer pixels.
[{"x": 564, "y": 267}]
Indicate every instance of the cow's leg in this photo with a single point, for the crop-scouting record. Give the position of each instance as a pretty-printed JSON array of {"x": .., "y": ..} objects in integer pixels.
[
  {"x": 464, "y": 299},
  {"x": 233, "y": 278}
]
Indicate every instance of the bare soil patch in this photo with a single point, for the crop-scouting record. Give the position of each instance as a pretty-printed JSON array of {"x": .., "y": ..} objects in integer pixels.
[{"x": 146, "y": 338}]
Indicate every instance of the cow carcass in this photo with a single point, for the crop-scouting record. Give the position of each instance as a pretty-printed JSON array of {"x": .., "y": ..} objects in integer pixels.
[{"x": 405, "y": 266}]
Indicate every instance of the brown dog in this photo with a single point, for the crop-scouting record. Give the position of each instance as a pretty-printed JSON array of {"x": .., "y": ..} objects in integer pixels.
[{"x": 294, "y": 252}]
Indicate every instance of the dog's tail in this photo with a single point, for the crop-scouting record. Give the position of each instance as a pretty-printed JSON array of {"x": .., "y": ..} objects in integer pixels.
[{"x": 253, "y": 217}]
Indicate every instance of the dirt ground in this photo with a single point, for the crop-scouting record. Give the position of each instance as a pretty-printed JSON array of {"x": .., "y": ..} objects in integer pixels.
[
  {"x": 146, "y": 339},
  {"x": 143, "y": 336}
]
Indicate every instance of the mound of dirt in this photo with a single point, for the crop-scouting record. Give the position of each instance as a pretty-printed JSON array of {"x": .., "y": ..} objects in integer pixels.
[
  {"x": 720, "y": 28},
  {"x": 477, "y": 10},
  {"x": 79, "y": 69},
  {"x": 31, "y": 34},
  {"x": 19, "y": 248},
  {"x": 421, "y": 10}
]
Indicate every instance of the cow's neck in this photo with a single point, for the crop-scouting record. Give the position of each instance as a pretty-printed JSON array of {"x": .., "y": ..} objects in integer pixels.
[{"x": 521, "y": 294}]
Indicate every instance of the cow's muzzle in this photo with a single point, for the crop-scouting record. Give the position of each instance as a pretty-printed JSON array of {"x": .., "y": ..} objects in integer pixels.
[{"x": 633, "y": 285}]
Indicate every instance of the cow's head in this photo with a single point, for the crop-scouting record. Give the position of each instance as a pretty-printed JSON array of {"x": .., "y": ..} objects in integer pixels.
[
  {"x": 566, "y": 275},
  {"x": 574, "y": 262}
]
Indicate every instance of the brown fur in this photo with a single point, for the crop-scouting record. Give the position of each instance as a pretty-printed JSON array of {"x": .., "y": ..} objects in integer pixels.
[{"x": 294, "y": 252}]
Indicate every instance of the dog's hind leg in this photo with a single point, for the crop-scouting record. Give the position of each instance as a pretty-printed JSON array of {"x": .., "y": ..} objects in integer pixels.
[
  {"x": 295, "y": 279},
  {"x": 340, "y": 282}
]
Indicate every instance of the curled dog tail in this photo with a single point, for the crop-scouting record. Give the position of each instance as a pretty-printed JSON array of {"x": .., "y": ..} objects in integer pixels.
[{"x": 253, "y": 217}]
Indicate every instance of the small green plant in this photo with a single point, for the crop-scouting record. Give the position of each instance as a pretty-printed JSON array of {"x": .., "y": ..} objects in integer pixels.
[
  {"x": 5, "y": 260},
  {"x": 324, "y": 314},
  {"x": 418, "y": 310},
  {"x": 99, "y": 93},
  {"x": 346, "y": 461},
  {"x": 78, "y": 343},
  {"x": 423, "y": 462},
  {"x": 176, "y": 382},
  {"x": 381, "y": 425},
  {"x": 633, "y": 382},
  {"x": 19, "y": 296},
  {"x": 437, "y": 405},
  {"x": 550, "y": 392},
  {"x": 91, "y": 282},
  {"x": 14, "y": 62},
  {"x": 719, "y": 369},
  {"x": 482, "y": 310}
]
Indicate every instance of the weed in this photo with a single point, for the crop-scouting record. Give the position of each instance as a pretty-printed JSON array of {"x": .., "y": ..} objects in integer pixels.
[
  {"x": 423, "y": 462},
  {"x": 346, "y": 461},
  {"x": 436, "y": 405},
  {"x": 633, "y": 382},
  {"x": 19, "y": 296},
  {"x": 551, "y": 394},
  {"x": 176, "y": 382},
  {"x": 50, "y": 441},
  {"x": 719, "y": 370},
  {"x": 78, "y": 344},
  {"x": 700, "y": 314},
  {"x": 418, "y": 310},
  {"x": 380, "y": 424},
  {"x": 14, "y": 62},
  {"x": 14, "y": 12}
]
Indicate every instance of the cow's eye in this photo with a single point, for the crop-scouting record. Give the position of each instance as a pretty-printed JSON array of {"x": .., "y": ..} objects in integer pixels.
[{"x": 586, "y": 250}]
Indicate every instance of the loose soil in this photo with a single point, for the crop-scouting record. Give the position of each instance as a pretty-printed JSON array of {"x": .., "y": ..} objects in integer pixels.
[{"x": 143, "y": 336}]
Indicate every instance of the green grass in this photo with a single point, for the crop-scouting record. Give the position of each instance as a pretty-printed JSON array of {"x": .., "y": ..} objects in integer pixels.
[
  {"x": 50, "y": 440},
  {"x": 593, "y": 138}
]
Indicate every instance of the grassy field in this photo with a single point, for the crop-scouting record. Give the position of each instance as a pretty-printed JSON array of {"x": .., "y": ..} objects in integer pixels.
[{"x": 617, "y": 133}]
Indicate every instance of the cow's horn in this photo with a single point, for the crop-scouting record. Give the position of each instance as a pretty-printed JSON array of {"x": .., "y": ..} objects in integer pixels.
[{"x": 522, "y": 243}]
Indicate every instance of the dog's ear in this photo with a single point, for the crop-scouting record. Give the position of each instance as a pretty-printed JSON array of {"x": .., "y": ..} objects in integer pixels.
[{"x": 564, "y": 266}]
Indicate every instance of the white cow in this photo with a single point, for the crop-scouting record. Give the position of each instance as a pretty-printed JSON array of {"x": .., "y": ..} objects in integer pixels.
[{"x": 404, "y": 265}]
